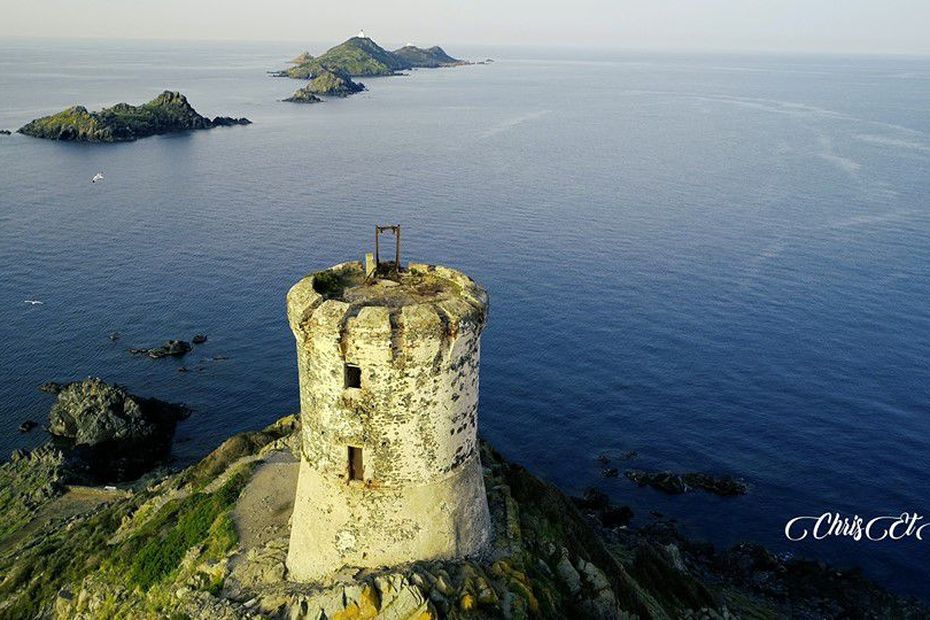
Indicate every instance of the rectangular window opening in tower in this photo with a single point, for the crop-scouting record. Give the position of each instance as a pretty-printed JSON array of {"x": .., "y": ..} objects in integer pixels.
[
  {"x": 356, "y": 464},
  {"x": 353, "y": 376}
]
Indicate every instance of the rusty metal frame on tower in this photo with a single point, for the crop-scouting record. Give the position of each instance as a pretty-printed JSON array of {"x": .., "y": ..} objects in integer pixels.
[{"x": 396, "y": 230}]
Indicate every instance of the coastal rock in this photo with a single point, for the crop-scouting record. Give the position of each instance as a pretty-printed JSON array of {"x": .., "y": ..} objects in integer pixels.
[
  {"x": 51, "y": 387},
  {"x": 593, "y": 499},
  {"x": 110, "y": 430},
  {"x": 5, "y": 132},
  {"x": 169, "y": 112},
  {"x": 676, "y": 484},
  {"x": 199, "y": 339}
]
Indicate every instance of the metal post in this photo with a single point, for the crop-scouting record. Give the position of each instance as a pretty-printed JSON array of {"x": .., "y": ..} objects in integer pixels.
[{"x": 396, "y": 230}]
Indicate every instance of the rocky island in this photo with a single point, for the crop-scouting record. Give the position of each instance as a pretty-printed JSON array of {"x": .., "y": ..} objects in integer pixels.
[
  {"x": 331, "y": 72},
  {"x": 170, "y": 112},
  {"x": 326, "y": 83}
]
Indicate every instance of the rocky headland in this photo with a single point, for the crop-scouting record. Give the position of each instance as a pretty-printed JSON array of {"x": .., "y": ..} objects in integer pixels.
[
  {"x": 170, "y": 112},
  {"x": 210, "y": 542}
]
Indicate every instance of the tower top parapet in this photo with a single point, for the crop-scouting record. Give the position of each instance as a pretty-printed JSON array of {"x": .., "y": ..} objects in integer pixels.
[{"x": 345, "y": 290}]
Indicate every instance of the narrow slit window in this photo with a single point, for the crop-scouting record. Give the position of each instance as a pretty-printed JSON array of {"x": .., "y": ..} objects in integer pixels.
[
  {"x": 353, "y": 376},
  {"x": 356, "y": 464}
]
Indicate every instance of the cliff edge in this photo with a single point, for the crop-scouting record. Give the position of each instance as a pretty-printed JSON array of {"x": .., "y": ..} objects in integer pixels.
[{"x": 211, "y": 541}]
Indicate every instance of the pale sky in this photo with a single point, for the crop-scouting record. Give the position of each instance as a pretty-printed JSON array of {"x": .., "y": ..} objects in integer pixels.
[{"x": 861, "y": 26}]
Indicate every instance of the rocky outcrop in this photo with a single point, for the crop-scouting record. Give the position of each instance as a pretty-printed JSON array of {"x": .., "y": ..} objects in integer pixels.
[
  {"x": 676, "y": 484},
  {"x": 112, "y": 434},
  {"x": 169, "y": 112}
]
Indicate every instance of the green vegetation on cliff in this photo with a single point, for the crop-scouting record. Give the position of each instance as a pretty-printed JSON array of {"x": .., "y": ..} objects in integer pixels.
[{"x": 167, "y": 113}]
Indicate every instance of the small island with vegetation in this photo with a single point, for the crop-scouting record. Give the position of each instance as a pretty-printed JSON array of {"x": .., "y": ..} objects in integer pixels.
[
  {"x": 331, "y": 72},
  {"x": 326, "y": 83},
  {"x": 170, "y": 112}
]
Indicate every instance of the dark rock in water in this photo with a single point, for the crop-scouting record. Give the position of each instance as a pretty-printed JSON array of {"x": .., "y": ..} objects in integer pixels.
[
  {"x": 169, "y": 112},
  {"x": 593, "y": 499},
  {"x": 603, "y": 459},
  {"x": 112, "y": 434},
  {"x": 51, "y": 387},
  {"x": 114, "y": 336},
  {"x": 5, "y": 132},
  {"x": 616, "y": 516},
  {"x": 183, "y": 369},
  {"x": 676, "y": 484},
  {"x": 610, "y": 472},
  {"x": 229, "y": 121},
  {"x": 171, "y": 348},
  {"x": 199, "y": 339},
  {"x": 27, "y": 426}
]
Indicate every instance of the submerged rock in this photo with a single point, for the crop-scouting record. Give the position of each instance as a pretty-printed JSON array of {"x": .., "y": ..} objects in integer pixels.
[
  {"x": 27, "y": 426},
  {"x": 676, "y": 484},
  {"x": 171, "y": 348},
  {"x": 199, "y": 339}
]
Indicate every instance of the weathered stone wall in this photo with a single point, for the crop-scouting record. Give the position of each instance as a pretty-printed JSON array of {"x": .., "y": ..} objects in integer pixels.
[{"x": 414, "y": 417}]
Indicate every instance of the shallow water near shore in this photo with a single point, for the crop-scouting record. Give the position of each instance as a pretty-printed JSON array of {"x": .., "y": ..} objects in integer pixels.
[{"x": 717, "y": 261}]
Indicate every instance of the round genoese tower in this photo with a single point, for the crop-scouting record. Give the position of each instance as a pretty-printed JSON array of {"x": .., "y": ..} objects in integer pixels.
[{"x": 390, "y": 469}]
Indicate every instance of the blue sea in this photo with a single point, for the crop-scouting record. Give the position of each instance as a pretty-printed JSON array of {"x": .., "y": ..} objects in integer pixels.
[{"x": 721, "y": 262}]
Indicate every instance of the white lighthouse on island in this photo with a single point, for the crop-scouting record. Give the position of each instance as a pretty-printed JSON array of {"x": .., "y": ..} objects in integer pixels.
[{"x": 361, "y": 34}]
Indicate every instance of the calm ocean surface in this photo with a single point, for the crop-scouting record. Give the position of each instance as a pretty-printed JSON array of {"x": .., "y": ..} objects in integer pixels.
[{"x": 720, "y": 262}]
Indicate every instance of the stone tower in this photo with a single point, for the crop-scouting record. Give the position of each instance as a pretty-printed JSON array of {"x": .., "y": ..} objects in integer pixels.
[{"x": 389, "y": 470}]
